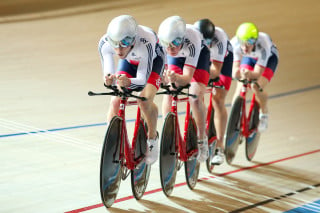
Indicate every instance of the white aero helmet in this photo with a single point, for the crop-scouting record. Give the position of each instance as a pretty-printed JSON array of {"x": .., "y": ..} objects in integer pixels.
[
  {"x": 122, "y": 31},
  {"x": 171, "y": 31}
]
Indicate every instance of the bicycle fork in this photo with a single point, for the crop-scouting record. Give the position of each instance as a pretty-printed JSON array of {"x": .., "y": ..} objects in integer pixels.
[
  {"x": 246, "y": 132},
  {"x": 126, "y": 156}
]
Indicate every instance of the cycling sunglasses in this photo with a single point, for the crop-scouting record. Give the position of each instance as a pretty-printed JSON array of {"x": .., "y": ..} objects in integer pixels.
[
  {"x": 175, "y": 43},
  {"x": 127, "y": 41},
  {"x": 208, "y": 41},
  {"x": 250, "y": 41}
]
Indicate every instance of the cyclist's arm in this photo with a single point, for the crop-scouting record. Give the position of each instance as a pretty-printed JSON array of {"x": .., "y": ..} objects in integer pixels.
[
  {"x": 107, "y": 61},
  {"x": 145, "y": 66},
  {"x": 257, "y": 72},
  {"x": 183, "y": 79},
  {"x": 236, "y": 70},
  {"x": 215, "y": 69}
]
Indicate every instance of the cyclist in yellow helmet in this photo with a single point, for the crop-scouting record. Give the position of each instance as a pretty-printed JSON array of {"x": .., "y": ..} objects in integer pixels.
[{"x": 255, "y": 57}]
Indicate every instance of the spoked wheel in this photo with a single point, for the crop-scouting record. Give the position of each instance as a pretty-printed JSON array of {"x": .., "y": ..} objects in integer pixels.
[
  {"x": 192, "y": 166},
  {"x": 253, "y": 139},
  {"x": 110, "y": 165},
  {"x": 212, "y": 144},
  {"x": 233, "y": 135},
  {"x": 168, "y": 155},
  {"x": 140, "y": 175}
]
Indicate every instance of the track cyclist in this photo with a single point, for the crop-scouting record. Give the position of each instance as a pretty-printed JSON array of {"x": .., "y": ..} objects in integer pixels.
[
  {"x": 221, "y": 57},
  {"x": 141, "y": 63},
  {"x": 188, "y": 62},
  {"x": 255, "y": 57}
]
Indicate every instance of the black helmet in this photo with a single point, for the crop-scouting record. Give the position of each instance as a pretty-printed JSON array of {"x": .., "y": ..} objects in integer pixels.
[{"x": 206, "y": 27}]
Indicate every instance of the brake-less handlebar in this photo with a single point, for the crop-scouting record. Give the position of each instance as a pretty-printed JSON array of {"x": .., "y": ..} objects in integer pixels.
[{"x": 123, "y": 93}]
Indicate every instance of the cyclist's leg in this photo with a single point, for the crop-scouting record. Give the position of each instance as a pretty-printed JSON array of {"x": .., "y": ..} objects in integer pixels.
[
  {"x": 219, "y": 96},
  {"x": 264, "y": 80},
  {"x": 220, "y": 115},
  {"x": 166, "y": 105},
  {"x": 198, "y": 87},
  {"x": 113, "y": 108},
  {"x": 262, "y": 97},
  {"x": 198, "y": 107},
  {"x": 149, "y": 109}
]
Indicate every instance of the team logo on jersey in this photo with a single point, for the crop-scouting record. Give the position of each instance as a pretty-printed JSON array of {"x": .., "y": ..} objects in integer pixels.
[
  {"x": 143, "y": 40},
  {"x": 158, "y": 81}
]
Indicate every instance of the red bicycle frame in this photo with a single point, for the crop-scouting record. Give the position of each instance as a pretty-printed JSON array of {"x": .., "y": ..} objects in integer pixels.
[
  {"x": 129, "y": 151},
  {"x": 244, "y": 119},
  {"x": 181, "y": 143}
]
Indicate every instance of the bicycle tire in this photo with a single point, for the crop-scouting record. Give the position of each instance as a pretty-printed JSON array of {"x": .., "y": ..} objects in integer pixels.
[
  {"x": 233, "y": 134},
  {"x": 110, "y": 165},
  {"x": 140, "y": 175},
  {"x": 168, "y": 154},
  {"x": 211, "y": 133},
  {"x": 192, "y": 165},
  {"x": 253, "y": 140}
]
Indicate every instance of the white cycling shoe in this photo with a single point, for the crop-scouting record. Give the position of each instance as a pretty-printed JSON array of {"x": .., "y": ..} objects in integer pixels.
[
  {"x": 152, "y": 150},
  {"x": 263, "y": 123},
  {"x": 203, "y": 150},
  {"x": 218, "y": 157}
]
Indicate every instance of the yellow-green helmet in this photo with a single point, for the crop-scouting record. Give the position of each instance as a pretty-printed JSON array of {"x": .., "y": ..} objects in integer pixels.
[{"x": 247, "y": 32}]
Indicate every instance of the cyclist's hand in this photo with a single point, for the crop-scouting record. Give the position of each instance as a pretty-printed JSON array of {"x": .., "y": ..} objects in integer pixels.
[
  {"x": 123, "y": 81},
  {"x": 164, "y": 78},
  {"x": 245, "y": 73},
  {"x": 172, "y": 76},
  {"x": 108, "y": 79}
]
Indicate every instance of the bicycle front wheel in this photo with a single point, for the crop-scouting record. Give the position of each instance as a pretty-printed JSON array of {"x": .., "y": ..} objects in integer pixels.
[
  {"x": 233, "y": 134},
  {"x": 140, "y": 175},
  {"x": 168, "y": 154},
  {"x": 253, "y": 139},
  {"x": 191, "y": 166},
  {"x": 110, "y": 165}
]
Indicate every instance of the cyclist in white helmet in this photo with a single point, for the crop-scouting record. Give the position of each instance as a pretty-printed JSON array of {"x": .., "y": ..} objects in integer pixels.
[
  {"x": 188, "y": 62},
  {"x": 221, "y": 57},
  {"x": 255, "y": 57},
  {"x": 141, "y": 63}
]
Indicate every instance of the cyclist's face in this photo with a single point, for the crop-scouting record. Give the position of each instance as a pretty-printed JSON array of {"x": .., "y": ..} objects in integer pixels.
[
  {"x": 122, "y": 52},
  {"x": 173, "y": 50},
  {"x": 247, "y": 48}
]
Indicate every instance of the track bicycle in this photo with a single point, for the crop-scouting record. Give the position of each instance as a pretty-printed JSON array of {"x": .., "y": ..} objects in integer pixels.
[
  {"x": 119, "y": 158},
  {"x": 175, "y": 149},
  {"x": 210, "y": 126},
  {"x": 241, "y": 126}
]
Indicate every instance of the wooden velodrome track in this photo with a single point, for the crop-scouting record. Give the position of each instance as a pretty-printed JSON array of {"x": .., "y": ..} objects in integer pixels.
[{"x": 51, "y": 132}]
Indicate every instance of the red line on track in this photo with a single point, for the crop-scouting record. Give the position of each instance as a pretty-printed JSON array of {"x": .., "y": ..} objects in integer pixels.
[{"x": 206, "y": 178}]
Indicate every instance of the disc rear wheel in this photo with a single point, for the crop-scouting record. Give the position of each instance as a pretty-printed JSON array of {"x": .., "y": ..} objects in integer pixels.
[
  {"x": 192, "y": 166},
  {"x": 140, "y": 175},
  {"x": 253, "y": 140}
]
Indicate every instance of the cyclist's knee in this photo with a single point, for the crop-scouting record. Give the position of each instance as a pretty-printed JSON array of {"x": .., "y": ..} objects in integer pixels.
[
  {"x": 147, "y": 105},
  {"x": 218, "y": 101}
]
